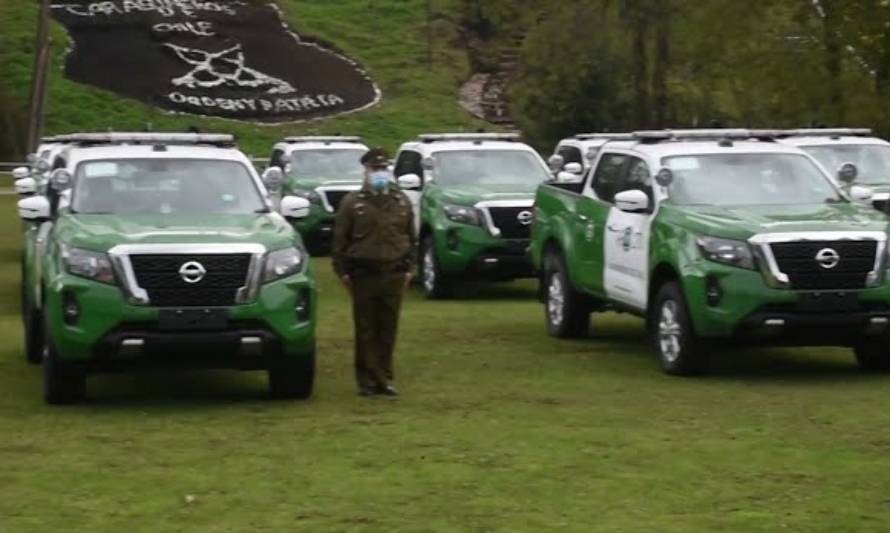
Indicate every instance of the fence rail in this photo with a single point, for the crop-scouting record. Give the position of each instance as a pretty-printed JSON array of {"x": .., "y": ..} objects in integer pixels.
[{"x": 7, "y": 167}]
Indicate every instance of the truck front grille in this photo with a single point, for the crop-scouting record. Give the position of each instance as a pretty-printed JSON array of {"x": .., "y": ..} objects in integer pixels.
[
  {"x": 334, "y": 198},
  {"x": 507, "y": 219},
  {"x": 798, "y": 261},
  {"x": 159, "y": 276}
]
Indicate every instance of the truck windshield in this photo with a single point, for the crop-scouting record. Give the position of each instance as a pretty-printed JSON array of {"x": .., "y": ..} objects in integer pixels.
[
  {"x": 520, "y": 170},
  {"x": 873, "y": 160},
  {"x": 340, "y": 164},
  {"x": 748, "y": 179},
  {"x": 165, "y": 186}
]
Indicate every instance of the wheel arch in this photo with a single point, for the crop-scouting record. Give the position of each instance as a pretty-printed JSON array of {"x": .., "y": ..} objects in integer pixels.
[{"x": 662, "y": 273}]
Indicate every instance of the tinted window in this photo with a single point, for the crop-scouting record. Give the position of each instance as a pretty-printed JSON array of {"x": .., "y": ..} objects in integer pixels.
[
  {"x": 333, "y": 164},
  {"x": 165, "y": 186},
  {"x": 607, "y": 177},
  {"x": 409, "y": 163},
  {"x": 872, "y": 160},
  {"x": 514, "y": 169},
  {"x": 748, "y": 179},
  {"x": 570, "y": 154},
  {"x": 637, "y": 177}
]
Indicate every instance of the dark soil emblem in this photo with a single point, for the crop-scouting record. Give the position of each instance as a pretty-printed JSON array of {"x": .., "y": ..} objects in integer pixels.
[{"x": 225, "y": 58}]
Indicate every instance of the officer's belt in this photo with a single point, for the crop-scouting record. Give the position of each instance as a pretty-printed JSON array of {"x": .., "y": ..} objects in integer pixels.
[{"x": 371, "y": 266}]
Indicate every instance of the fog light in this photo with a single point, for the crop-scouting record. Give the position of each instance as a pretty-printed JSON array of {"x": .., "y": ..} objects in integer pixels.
[
  {"x": 70, "y": 308},
  {"x": 304, "y": 303},
  {"x": 713, "y": 291}
]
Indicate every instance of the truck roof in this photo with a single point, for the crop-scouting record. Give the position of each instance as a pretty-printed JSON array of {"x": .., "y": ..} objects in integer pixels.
[
  {"x": 95, "y": 153},
  {"x": 465, "y": 145},
  {"x": 302, "y": 146},
  {"x": 698, "y": 147},
  {"x": 828, "y": 141}
]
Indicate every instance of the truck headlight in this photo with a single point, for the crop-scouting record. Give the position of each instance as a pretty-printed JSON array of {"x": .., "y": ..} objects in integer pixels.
[
  {"x": 284, "y": 263},
  {"x": 309, "y": 194},
  {"x": 88, "y": 264},
  {"x": 726, "y": 251},
  {"x": 462, "y": 214}
]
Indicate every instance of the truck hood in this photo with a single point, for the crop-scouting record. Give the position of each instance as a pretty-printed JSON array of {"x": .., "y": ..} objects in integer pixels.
[
  {"x": 472, "y": 195},
  {"x": 102, "y": 232},
  {"x": 744, "y": 221},
  {"x": 292, "y": 184}
]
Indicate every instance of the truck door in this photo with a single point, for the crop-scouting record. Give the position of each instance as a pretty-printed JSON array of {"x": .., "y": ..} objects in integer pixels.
[
  {"x": 409, "y": 162},
  {"x": 592, "y": 215},
  {"x": 627, "y": 241}
]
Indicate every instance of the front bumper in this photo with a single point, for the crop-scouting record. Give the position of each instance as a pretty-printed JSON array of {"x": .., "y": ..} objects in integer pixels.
[
  {"x": 106, "y": 320},
  {"x": 747, "y": 309},
  {"x": 472, "y": 250}
]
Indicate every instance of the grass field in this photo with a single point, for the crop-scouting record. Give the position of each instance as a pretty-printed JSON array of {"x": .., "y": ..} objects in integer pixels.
[
  {"x": 388, "y": 37},
  {"x": 499, "y": 428}
]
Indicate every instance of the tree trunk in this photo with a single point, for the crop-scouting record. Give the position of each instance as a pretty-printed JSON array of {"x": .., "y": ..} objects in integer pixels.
[
  {"x": 640, "y": 71},
  {"x": 833, "y": 61},
  {"x": 662, "y": 65}
]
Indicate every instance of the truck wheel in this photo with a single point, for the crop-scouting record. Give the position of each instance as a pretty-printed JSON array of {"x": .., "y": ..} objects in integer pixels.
[
  {"x": 671, "y": 332},
  {"x": 873, "y": 356},
  {"x": 567, "y": 313},
  {"x": 434, "y": 283},
  {"x": 292, "y": 377},
  {"x": 32, "y": 321},
  {"x": 62, "y": 384}
]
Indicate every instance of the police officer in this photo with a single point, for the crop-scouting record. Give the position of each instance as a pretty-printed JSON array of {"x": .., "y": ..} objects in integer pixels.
[{"x": 373, "y": 253}]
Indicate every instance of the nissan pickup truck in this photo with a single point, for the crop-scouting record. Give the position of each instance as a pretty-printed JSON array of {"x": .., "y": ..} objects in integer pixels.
[
  {"x": 473, "y": 196},
  {"x": 322, "y": 170},
  {"x": 836, "y": 149},
  {"x": 164, "y": 250},
  {"x": 573, "y": 156},
  {"x": 715, "y": 237}
]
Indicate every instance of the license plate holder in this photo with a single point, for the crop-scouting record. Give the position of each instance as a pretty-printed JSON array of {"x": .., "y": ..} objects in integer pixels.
[
  {"x": 828, "y": 301},
  {"x": 193, "y": 319}
]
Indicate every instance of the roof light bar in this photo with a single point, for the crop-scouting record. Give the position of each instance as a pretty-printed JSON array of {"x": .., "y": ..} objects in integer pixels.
[
  {"x": 830, "y": 132},
  {"x": 473, "y": 137},
  {"x": 327, "y": 139},
  {"x": 147, "y": 138},
  {"x": 740, "y": 134},
  {"x": 605, "y": 136}
]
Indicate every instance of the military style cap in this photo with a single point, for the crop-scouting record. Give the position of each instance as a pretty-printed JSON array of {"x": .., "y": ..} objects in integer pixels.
[{"x": 376, "y": 157}]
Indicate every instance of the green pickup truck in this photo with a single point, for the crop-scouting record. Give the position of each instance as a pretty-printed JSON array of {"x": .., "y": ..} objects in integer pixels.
[
  {"x": 834, "y": 148},
  {"x": 472, "y": 195},
  {"x": 322, "y": 170},
  {"x": 715, "y": 235},
  {"x": 164, "y": 250}
]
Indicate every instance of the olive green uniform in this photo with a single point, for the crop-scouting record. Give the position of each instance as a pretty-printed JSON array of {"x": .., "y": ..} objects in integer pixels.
[{"x": 374, "y": 244}]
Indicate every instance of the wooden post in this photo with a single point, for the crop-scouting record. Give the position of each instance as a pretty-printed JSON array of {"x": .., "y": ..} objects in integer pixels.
[{"x": 39, "y": 78}]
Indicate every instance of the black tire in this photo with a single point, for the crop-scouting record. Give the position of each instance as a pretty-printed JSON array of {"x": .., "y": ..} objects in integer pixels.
[
  {"x": 32, "y": 326},
  {"x": 433, "y": 282},
  {"x": 670, "y": 329},
  {"x": 292, "y": 378},
  {"x": 63, "y": 384},
  {"x": 566, "y": 310},
  {"x": 873, "y": 356}
]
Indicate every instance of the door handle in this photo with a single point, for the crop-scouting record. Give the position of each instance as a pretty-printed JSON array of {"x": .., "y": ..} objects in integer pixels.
[
  {"x": 616, "y": 229},
  {"x": 583, "y": 218}
]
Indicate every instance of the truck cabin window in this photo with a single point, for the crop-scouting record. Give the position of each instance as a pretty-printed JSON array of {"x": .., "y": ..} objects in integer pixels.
[
  {"x": 872, "y": 160},
  {"x": 519, "y": 171},
  {"x": 165, "y": 186},
  {"x": 342, "y": 164},
  {"x": 748, "y": 179}
]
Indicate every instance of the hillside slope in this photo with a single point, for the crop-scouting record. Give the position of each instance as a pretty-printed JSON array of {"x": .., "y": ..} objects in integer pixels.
[{"x": 387, "y": 37}]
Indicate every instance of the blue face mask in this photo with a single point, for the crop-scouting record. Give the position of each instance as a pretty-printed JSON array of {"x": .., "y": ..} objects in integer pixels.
[{"x": 379, "y": 180}]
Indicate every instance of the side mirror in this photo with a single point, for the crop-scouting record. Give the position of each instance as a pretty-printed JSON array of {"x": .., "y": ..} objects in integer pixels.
[
  {"x": 591, "y": 154},
  {"x": 556, "y": 162},
  {"x": 21, "y": 172},
  {"x": 294, "y": 207},
  {"x": 633, "y": 201},
  {"x": 60, "y": 179},
  {"x": 273, "y": 179},
  {"x": 409, "y": 181},
  {"x": 31, "y": 158},
  {"x": 42, "y": 165},
  {"x": 35, "y": 208},
  {"x": 847, "y": 173},
  {"x": 664, "y": 177},
  {"x": 861, "y": 194},
  {"x": 567, "y": 177},
  {"x": 574, "y": 168},
  {"x": 26, "y": 186}
]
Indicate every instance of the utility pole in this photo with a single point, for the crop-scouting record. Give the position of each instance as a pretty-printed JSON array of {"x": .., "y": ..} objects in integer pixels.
[{"x": 39, "y": 78}]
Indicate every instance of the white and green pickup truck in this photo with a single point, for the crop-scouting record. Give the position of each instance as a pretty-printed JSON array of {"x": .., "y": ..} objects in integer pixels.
[{"x": 715, "y": 235}]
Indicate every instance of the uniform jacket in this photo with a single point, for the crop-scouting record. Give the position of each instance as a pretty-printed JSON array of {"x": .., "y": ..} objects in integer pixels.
[{"x": 374, "y": 231}]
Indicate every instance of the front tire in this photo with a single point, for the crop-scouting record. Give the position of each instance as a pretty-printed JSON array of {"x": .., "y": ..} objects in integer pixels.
[
  {"x": 33, "y": 332},
  {"x": 63, "y": 384},
  {"x": 292, "y": 378},
  {"x": 873, "y": 356},
  {"x": 566, "y": 311},
  {"x": 673, "y": 338},
  {"x": 432, "y": 280}
]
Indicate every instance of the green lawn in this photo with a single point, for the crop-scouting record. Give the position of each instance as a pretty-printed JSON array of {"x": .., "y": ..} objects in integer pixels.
[
  {"x": 388, "y": 37},
  {"x": 500, "y": 428}
]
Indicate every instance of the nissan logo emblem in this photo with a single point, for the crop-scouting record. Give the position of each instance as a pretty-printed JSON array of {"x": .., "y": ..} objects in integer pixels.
[
  {"x": 828, "y": 258},
  {"x": 525, "y": 217},
  {"x": 192, "y": 272}
]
